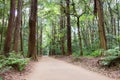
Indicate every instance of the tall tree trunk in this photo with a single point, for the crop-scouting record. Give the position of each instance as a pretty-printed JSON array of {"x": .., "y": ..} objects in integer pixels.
[
  {"x": 3, "y": 25},
  {"x": 41, "y": 33},
  {"x": 50, "y": 49},
  {"x": 10, "y": 28},
  {"x": 111, "y": 25},
  {"x": 115, "y": 26},
  {"x": 69, "y": 47},
  {"x": 62, "y": 28},
  {"x": 22, "y": 33},
  {"x": 18, "y": 27},
  {"x": 84, "y": 37},
  {"x": 37, "y": 37},
  {"x": 21, "y": 40},
  {"x": 118, "y": 23},
  {"x": 53, "y": 38},
  {"x": 79, "y": 36},
  {"x": 103, "y": 41},
  {"x": 32, "y": 28}
]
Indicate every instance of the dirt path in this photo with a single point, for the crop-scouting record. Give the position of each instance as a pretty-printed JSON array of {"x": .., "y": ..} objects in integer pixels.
[{"x": 51, "y": 69}]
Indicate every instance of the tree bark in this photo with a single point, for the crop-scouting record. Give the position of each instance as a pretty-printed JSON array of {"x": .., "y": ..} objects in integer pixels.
[
  {"x": 69, "y": 47},
  {"x": 53, "y": 38},
  {"x": 62, "y": 28},
  {"x": 18, "y": 27},
  {"x": 41, "y": 33},
  {"x": 79, "y": 36},
  {"x": 10, "y": 28},
  {"x": 21, "y": 40},
  {"x": 103, "y": 41},
  {"x": 118, "y": 24},
  {"x": 37, "y": 35},
  {"x": 32, "y": 28},
  {"x": 3, "y": 25}
]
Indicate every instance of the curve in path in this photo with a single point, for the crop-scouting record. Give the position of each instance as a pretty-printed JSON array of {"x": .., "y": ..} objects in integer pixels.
[{"x": 51, "y": 69}]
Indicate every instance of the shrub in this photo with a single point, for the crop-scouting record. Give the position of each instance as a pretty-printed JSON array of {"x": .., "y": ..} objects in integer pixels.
[
  {"x": 106, "y": 61},
  {"x": 111, "y": 58},
  {"x": 14, "y": 60},
  {"x": 112, "y": 52}
]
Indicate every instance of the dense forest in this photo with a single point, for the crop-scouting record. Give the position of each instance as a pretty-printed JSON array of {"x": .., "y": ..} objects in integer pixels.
[{"x": 30, "y": 29}]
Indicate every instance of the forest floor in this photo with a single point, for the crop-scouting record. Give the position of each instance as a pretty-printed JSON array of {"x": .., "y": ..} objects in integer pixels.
[
  {"x": 91, "y": 64},
  {"x": 16, "y": 75},
  {"x": 54, "y": 69}
]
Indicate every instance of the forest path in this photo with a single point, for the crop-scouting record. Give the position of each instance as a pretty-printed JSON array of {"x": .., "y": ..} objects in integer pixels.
[{"x": 52, "y": 69}]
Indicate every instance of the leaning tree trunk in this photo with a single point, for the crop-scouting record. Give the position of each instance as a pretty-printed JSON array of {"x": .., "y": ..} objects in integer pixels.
[
  {"x": 103, "y": 41},
  {"x": 69, "y": 47},
  {"x": 18, "y": 27},
  {"x": 10, "y": 28},
  {"x": 32, "y": 28}
]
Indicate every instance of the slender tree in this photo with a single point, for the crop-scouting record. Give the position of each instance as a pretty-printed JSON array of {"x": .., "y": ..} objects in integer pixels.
[{"x": 78, "y": 26}]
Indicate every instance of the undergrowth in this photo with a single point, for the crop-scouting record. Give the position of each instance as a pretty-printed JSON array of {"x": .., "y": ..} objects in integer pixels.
[
  {"x": 1, "y": 78},
  {"x": 16, "y": 61},
  {"x": 97, "y": 53},
  {"x": 111, "y": 58}
]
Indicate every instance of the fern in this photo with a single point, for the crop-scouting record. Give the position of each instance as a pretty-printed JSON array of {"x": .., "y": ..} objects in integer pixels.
[
  {"x": 97, "y": 53},
  {"x": 14, "y": 60},
  {"x": 111, "y": 57}
]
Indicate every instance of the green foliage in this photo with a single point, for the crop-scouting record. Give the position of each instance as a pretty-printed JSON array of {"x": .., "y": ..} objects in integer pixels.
[
  {"x": 112, "y": 52},
  {"x": 1, "y": 78},
  {"x": 75, "y": 55},
  {"x": 14, "y": 60},
  {"x": 111, "y": 57},
  {"x": 96, "y": 53},
  {"x": 107, "y": 60}
]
